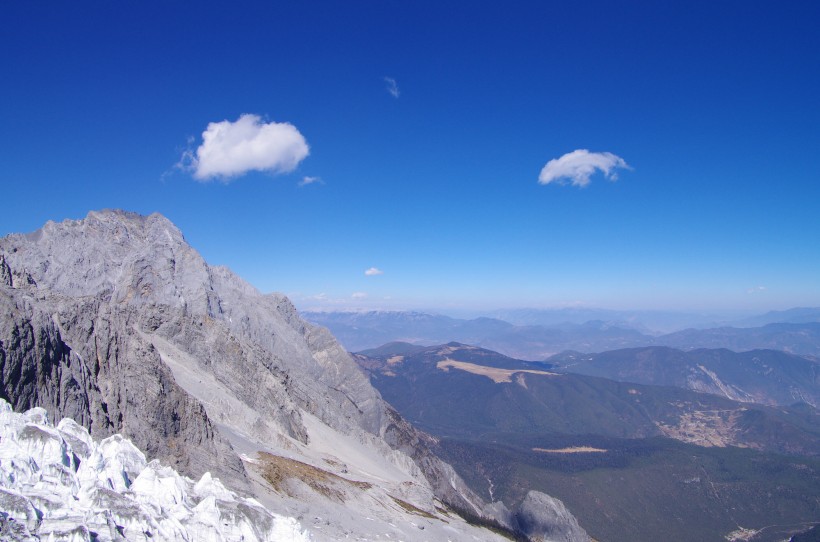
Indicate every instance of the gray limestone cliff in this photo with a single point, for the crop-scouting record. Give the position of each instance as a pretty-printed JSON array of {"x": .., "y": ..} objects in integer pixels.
[{"x": 115, "y": 321}]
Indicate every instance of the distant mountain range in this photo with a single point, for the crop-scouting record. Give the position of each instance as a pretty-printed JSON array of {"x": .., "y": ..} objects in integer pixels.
[
  {"x": 799, "y": 315},
  {"x": 759, "y": 376},
  {"x": 656, "y": 322},
  {"x": 801, "y": 339},
  {"x": 631, "y": 461},
  {"x": 652, "y": 322},
  {"x": 362, "y": 330}
]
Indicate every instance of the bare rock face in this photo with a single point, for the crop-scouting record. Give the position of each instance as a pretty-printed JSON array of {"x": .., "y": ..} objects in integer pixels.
[
  {"x": 116, "y": 322},
  {"x": 5, "y": 272},
  {"x": 79, "y": 361},
  {"x": 39, "y": 368},
  {"x": 545, "y": 519}
]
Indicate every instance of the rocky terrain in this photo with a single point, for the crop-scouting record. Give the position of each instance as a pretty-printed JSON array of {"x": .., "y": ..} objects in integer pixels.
[{"x": 116, "y": 322}]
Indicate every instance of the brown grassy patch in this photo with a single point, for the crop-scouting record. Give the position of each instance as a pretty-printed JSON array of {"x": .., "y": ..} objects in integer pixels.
[
  {"x": 496, "y": 375},
  {"x": 413, "y": 509},
  {"x": 277, "y": 470}
]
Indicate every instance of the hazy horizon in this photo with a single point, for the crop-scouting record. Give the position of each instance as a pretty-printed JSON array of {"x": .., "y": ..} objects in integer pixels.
[
  {"x": 465, "y": 312},
  {"x": 653, "y": 321}
]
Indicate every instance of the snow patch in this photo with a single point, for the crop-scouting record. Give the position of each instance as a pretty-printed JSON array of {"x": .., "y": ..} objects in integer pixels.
[{"x": 58, "y": 484}]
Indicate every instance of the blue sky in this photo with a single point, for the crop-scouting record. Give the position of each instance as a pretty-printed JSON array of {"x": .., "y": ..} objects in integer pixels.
[{"x": 428, "y": 125}]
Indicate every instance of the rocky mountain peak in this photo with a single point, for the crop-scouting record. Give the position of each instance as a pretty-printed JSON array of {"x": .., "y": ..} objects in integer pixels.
[
  {"x": 114, "y": 229},
  {"x": 140, "y": 271},
  {"x": 98, "y": 255}
]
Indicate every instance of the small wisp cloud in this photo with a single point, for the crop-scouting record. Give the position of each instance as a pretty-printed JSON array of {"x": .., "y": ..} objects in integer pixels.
[
  {"x": 230, "y": 149},
  {"x": 392, "y": 87},
  {"x": 578, "y": 166},
  {"x": 310, "y": 180},
  {"x": 373, "y": 271}
]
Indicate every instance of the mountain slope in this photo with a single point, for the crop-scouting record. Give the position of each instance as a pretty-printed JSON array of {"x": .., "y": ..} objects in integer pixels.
[
  {"x": 116, "y": 322},
  {"x": 759, "y": 376},
  {"x": 459, "y": 390}
]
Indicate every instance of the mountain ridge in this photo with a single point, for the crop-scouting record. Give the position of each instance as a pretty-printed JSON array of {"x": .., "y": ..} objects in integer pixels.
[
  {"x": 363, "y": 330},
  {"x": 769, "y": 377}
]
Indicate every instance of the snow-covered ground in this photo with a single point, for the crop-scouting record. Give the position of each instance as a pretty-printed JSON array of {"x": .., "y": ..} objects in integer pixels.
[{"x": 57, "y": 484}]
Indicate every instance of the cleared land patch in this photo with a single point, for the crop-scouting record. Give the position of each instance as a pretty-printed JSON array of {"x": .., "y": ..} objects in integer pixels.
[
  {"x": 706, "y": 428},
  {"x": 571, "y": 450},
  {"x": 496, "y": 375},
  {"x": 395, "y": 359}
]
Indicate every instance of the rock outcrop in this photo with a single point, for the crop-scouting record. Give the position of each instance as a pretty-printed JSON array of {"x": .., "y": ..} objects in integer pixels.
[
  {"x": 80, "y": 358},
  {"x": 545, "y": 519}
]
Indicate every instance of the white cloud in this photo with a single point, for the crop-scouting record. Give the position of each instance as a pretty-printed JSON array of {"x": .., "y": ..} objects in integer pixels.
[
  {"x": 230, "y": 149},
  {"x": 359, "y": 295},
  {"x": 392, "y": 87},
  {"x": 310, "y": 180},
  {"x": 579, "y": 165},
  {"x": 756, "y": 289},
  {"x": 374, "y": 271}
]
